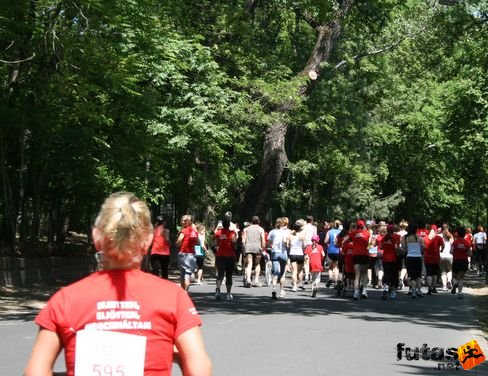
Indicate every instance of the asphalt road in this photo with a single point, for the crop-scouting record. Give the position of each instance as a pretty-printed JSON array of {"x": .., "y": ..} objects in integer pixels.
[{"x": 300, "y": 335}]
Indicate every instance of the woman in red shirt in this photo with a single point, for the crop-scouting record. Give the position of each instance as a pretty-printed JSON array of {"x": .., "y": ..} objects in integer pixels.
[
  {"x": 225, "y": 257},
  {"x": 110, "y": 322},
  {"x": 461, "y": 250},
  {"x": 160, "y": 250},
  {"x": 390, "y": 244}
]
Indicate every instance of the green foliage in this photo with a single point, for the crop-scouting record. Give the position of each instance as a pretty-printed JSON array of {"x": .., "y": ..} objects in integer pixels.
[{"x": 172, "y": 100}]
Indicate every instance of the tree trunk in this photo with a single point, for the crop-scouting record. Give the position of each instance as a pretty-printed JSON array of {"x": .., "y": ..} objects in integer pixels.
[{"x": 259, "y": 196}]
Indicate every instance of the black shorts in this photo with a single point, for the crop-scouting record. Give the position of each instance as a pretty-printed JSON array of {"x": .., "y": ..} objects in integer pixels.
[
  {"x": 432, "y": 269},
  {"x": 334, "y": 257},
  {"x": 459, "y": 266},
  {"x": 200, "y": 260},
  {"x": 360, "y": 259},
  {"x": 414, "y": 267},
  {"x": 297, "y": 258}
]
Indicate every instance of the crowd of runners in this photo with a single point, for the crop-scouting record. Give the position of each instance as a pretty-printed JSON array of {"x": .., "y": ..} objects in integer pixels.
[{"x": 356, "y": 256}]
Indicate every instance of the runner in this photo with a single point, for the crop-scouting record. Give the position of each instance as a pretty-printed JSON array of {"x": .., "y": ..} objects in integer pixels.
[
  {"x": 296, "y": 244},
  {"x": 277, "y": 243},
  {"x": 254, "y": 243},
  {"x": 390, "y": 244},
  {"x": 414, "y": 245},
  {"x": 446, "y": 258},
  {"x": 479, "y": 250},
  {"x": 187, "y": 240},
  {"x": 333, "y": 253},
  {"x": 82, "y": 314},
  {"x": 347, "y": 250},
  {"x": 160, "y": 249},
  {"x": 360, "y": 239},
  {"x": 402, "y": 266},
  {"x": 316, "y": 255},
  {"x": 200, "y": 252},
  {"x": 432, "y": 259},
  {"x": 309, "y": 230},
  {"x": 225, "y": 258},
  {"x": 461, "y": 250}
]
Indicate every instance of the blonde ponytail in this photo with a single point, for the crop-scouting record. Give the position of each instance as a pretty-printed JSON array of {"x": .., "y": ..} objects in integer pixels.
[{"x": 122, "y": 225}]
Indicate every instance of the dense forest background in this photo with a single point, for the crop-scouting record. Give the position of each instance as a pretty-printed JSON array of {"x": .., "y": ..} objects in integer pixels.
[{"x": 371, "y": 108}]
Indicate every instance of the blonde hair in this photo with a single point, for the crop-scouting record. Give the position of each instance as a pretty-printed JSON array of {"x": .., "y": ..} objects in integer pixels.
[{"x": 122, "y": 225}]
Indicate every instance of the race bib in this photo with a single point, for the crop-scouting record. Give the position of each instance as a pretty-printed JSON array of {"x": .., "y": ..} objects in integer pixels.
[{"x": 105, "y": 353}]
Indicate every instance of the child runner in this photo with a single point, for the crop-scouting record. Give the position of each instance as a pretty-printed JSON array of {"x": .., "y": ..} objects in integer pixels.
[{"x": 316, "y": 255}]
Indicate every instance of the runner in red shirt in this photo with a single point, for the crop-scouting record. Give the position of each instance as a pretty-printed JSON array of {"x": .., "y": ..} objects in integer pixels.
[
  {"x": 225, "y": 257},
  {"x": 187, "y": 240},
  {"x": 390, "y": 244},
  {"x": 360, "y": 240},
  {"x": 160, "y": 249},
  {"x": 118, "y": 311},
  {"x": 461, "y": 250},
  {"x": 432, "y": 258},
  {"x": 316, "y": 255},
  {"x": 347, "y": 251}
]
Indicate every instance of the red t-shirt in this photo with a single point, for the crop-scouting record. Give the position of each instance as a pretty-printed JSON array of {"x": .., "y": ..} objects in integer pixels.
[
  {"x": 347, "y": 250},
  {"x": 460, "y": 249},
  {"x": 160, "y": 245},
  {"x": 432, "y": 253},
  {"x": 122, "y": 301},
  {"x": 225, "y": 245},
  {"x": 316, "y": 255},
  {"x": 360, "y": 241},
  {"x": 190, "y": 239},
  {"x": 389, "y": 246}
]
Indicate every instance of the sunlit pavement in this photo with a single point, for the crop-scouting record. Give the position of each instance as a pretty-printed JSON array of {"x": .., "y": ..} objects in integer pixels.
[{"x": 301, "y": 335}]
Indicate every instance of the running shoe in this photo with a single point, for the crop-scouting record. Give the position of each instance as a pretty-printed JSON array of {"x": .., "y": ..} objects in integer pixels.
[
  {"x": 460, "y": 295},
  {"x": 258, "y": 284},
  {"x": 419, "y": 293},
  {"x": 294, "y": 289},
  {"x": 385, "y": 295},
  {"x": 248, "y": 285},
  {"x": 229, "y": 296},
  {"x": 355, "y": 295},
  {"x": 302, "y": 287},
  {"x": 444, "y": 288},
  {"x": 314, "y": 292},
  {"x": 413, "y": 293},
  {"x": 282, "y": 293},
  {"x": 434, "y": 290},
  {"x": 329, "y": 282},
  {"x": 400, "y": 283},
  {"x": 273, "y": 295},
  {"x": 429, "y": 291},
  {"x": 454, "y": 287},
  {"x": 393, "y": 295},
  {"x": 217, "y": 294},
  {"x": 449, "y": 285},
  {"x": 364, "y": 295},
  {"x": 410, "y": 291}
]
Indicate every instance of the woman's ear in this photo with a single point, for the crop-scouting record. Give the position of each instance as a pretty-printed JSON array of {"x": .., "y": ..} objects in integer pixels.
[{"x": 96, "y": 239}]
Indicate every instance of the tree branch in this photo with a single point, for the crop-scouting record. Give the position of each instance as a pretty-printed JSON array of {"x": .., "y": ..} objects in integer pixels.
[
  {"x": 378, "y": 51},
  {"x": 18, "y": 61}
]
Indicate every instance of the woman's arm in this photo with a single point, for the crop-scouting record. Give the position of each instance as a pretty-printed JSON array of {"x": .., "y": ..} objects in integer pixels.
[
  {"x": 193, "y": 357},
  {"x": 44, "y": 353}
]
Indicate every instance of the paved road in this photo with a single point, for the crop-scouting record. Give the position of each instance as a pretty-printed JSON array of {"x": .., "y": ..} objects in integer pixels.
[{"x": 299, "y": 335}]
